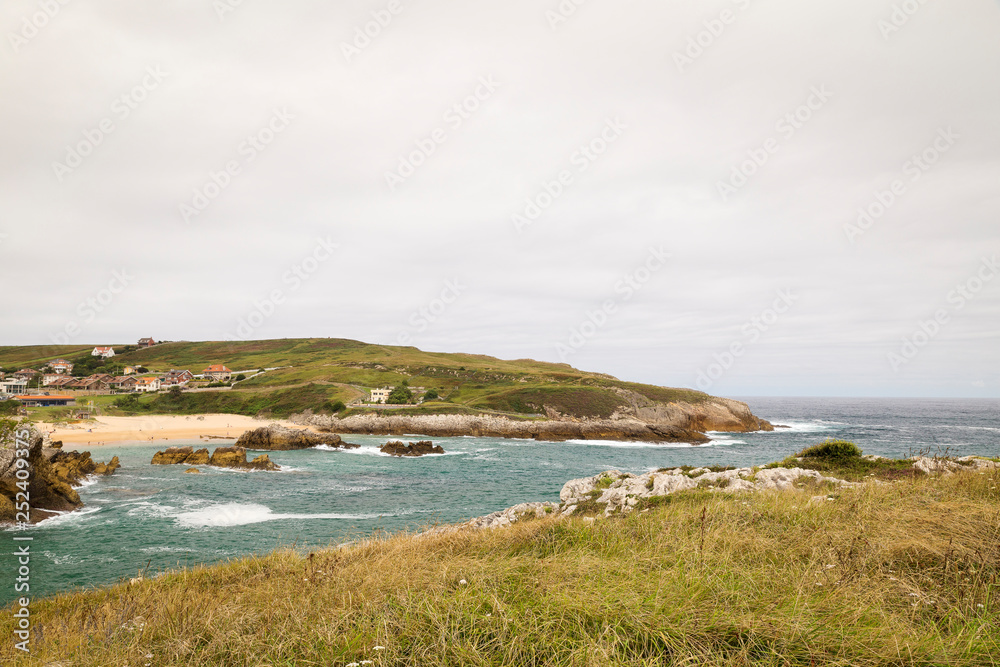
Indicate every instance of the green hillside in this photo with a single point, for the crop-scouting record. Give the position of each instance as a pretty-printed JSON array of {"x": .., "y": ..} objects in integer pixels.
[{"x": 319, "y": 373}]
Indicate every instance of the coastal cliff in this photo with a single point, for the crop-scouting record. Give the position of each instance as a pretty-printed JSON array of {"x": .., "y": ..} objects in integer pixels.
[
  {"x": 50, "y": 483},
  {"x": 641, "y": 419}
]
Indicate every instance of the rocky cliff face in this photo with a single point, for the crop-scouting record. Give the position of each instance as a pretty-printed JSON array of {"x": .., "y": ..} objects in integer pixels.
[
  {"x": 279, "y": 438},
  {"x": 643, "y": 420},
  {"x": 50, "y": 483}
]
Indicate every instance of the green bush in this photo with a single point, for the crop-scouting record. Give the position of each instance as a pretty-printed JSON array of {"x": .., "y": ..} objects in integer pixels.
[
  {"x": 832, "y": 450},
  {"x": 431, "y": 395}
]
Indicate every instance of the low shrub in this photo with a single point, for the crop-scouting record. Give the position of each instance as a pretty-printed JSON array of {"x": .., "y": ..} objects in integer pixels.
[{"x": 832, "y": 450}]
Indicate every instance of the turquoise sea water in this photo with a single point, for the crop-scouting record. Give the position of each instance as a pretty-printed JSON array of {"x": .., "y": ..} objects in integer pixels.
[{"x": 160, "y": 517}]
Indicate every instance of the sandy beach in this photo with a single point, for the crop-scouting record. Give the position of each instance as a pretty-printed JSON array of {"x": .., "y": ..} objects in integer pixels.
[{"x": 153, "y": 428}]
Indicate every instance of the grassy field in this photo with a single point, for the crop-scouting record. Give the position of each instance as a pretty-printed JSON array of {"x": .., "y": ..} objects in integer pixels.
[
  {"x": 904, "y": 573},
  {"x": 348, "y": 369}
]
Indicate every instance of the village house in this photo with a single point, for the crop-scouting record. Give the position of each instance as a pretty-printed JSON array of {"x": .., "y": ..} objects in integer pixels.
[
  {"x": 45, "y": 401},
  {"x": 14, "y": 386},
  {"x": 381, "y": 395},
  {"x": 25, "y": 374},
  {"x": 146, "y": 342},
  {"x": 49, "y": 378},
  {"x": 148, "y": 384},
  {"x": 105, "y": 352},
  {"x": 61, "y": 367},
  {"x": 92, "y": 383},
  {"x": 130, "y": 370},
  {"x": 61, "y": 381},
  {"x": 173, "y": 377},
  {"x": 218, "y": 372},
  {"x": 122, "y": 383}
]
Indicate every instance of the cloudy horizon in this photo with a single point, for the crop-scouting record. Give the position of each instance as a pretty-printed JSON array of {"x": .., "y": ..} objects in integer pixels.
[{"x": 749, "y": 198}]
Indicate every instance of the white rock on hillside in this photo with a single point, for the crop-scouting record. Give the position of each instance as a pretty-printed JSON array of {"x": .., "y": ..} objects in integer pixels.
[{"x": 945, "y": 466}]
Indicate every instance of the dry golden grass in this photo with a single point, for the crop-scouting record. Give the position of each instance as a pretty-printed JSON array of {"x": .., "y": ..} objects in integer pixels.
[{"x": 892, "y": 574}]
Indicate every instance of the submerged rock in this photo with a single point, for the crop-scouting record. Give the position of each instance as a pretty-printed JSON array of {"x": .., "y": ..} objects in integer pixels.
[
  {"x": 280, "y": 438},
  {"x": 397, "y": 448},
  {"x": 193, "y": 471}
]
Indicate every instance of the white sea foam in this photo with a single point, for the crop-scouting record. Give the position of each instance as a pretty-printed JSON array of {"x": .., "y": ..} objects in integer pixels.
[
  {"x": 636, "y": 445},
  {"x": 147, "y": 510},
  {"x": 162, "y": 550},
  {"x": 236, "y": 514},
  {"x": 63, "y": 518},
  {"x": 806, "y": 426}
]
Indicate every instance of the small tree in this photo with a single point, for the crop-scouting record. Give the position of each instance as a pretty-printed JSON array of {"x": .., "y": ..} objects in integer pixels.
[
  {"x": 400, "y": 395},
  {"x": 431, "y": 395},
  {"x": 240, "y": 378},
  {"x": 174, "y": 392}
]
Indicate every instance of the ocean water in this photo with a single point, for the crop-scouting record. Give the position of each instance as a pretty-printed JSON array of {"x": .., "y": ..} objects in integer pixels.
[{"x": 157, "y": 517}]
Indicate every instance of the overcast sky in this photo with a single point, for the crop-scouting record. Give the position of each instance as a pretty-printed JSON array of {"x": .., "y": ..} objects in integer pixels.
[{"x": 667, "y": 192}]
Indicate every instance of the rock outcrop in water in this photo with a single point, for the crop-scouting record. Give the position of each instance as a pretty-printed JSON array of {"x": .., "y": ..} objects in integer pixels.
[
  {"x": 280, "y": 438},
  {"x": 397, "y": 448},
  {"x": 178, "y": 455},
  {"x": 74, "y": 467},
  {"x": 641, "y": 420},
  {"x": 236, "y": 457},
  {"x": 222, "y": 457},
  {"x": 50, "y": 482}
]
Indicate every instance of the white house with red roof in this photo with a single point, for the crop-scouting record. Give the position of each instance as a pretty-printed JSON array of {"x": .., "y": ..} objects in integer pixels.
[
  {"x": 218, "y": 372},
  {"x": 148, "y": 383},
  {"x": 61, "y": 366}
]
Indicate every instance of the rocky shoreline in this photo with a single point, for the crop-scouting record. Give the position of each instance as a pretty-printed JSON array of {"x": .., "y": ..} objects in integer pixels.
[
  {"x": 645, "y": 421},
  {"x": 53, "y": 474},
  {"x": 613, "y": 492},
  {"x": 275, "y": 438}
]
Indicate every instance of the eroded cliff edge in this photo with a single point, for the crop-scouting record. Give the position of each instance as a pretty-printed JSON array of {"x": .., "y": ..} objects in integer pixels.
[
  {"x": 52, "y": 474},
  {"x": 641, "y": 419}
]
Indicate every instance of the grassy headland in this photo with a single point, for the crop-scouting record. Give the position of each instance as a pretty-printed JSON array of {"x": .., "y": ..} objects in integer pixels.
[
  {"x": 901, "y": 573},
  {"x": 320, "y": 373}
]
